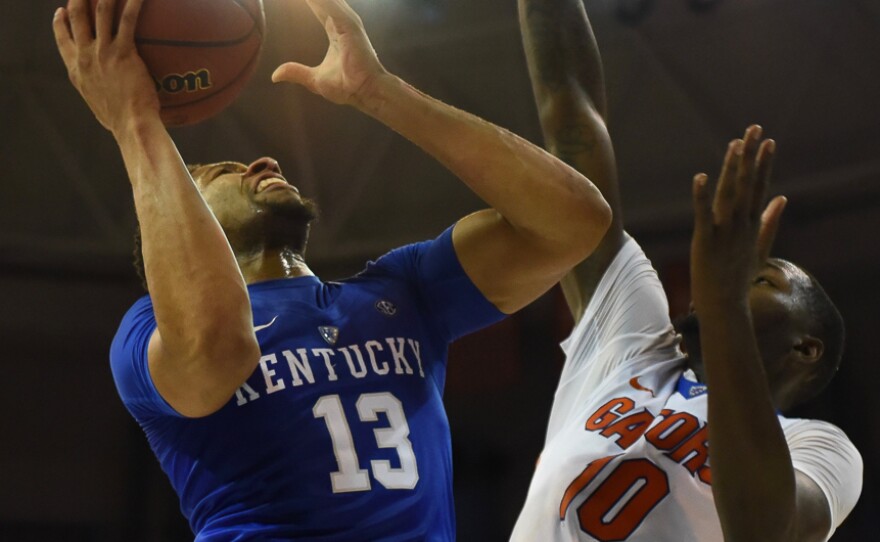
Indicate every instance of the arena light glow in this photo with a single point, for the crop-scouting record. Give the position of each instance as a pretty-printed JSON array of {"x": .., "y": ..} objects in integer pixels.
[{"x": 428, "y": 11}]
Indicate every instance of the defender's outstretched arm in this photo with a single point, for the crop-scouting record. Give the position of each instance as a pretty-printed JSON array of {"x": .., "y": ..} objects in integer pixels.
[{"x": 566, "y": 73}]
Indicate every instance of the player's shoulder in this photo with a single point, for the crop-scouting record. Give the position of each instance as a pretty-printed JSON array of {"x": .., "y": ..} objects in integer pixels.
[
  {"x": 391, "y": 263},
  {"x": 630, "y": 258},
  {"x": 815, "y": 434},
  {"x": 145, "y": 302},
  {"x": 629, "y": 303},
  {"x": 806, "y": 425},
  {"x": 629, "y": 269},
  {"x": 408, "y": 261},
  {"x": 796, "y": 426},
  {"x": 140, "y": 310}
]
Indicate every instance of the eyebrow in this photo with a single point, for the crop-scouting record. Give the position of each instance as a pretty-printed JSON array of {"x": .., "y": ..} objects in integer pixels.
[
  {"x": 236, "y": 165},
  {"x": 774, "y": 265},
  {"x": 211, "y": 167}
]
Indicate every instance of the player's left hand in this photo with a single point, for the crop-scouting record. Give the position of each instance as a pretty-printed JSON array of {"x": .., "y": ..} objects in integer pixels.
[
  {"x": 350, "y": 64},
  {"x": 733, "y": 232}
]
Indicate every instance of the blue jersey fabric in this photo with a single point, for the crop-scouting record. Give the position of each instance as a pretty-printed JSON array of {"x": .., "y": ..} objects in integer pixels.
[{"x": 340, "y": 433}]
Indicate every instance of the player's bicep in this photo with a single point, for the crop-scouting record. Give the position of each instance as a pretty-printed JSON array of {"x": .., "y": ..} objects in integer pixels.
[
  {"x": 510, "y": 269},
  {"x": 198, "y": 385},
  {"x": 813, "y": 514}
]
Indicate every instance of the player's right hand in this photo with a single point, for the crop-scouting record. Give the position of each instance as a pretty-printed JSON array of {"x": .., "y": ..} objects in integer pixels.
[
  {"x": 350, "y": 65},
  {"x": 106, "y": 68},
  {"x": 734, "y": 230}
]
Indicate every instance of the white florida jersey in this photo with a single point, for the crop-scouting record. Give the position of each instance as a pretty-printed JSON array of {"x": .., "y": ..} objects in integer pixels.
[{"x": 626, "y": 455}]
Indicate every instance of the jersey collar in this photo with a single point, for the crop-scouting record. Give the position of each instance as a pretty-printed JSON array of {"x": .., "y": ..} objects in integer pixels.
[{"x": 688, "y": 386}]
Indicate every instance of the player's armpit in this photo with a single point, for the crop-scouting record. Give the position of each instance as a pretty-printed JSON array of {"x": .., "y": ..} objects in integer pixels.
[{"x": 813, "y": 514}]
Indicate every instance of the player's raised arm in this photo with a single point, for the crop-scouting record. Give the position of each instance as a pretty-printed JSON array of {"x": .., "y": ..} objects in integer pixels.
[
  {"x": 566, "y": 73},
  {"x": 758, "y": 493},
  {"x": 205, "y": 346},
  {"x": 545, "y": 216}
]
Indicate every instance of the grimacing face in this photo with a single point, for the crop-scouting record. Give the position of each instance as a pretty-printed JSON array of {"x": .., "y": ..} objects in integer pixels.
[
  {"x": 776, "y": 302},
  {"x": 255, "y": 205}
]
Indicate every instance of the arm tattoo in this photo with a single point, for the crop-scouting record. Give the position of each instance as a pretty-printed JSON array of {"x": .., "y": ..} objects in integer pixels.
[
  {"x": 545, "y": 44},
  {"x": 574, "y": 140}
]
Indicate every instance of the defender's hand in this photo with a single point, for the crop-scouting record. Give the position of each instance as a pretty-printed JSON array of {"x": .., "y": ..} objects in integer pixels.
[
  {"x": 732, "y": 236},
  {"x": 350, "y": 64},
  {"x": 106, "y": 69}
]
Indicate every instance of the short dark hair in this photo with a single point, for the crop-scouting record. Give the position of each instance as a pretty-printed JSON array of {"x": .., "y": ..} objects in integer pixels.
[
  {"x": 138, "y": 252},
  {"x": 826, "y": 324}
]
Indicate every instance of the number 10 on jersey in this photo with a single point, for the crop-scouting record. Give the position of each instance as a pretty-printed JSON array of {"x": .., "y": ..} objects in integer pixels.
[{"x": 350, "y": 476}]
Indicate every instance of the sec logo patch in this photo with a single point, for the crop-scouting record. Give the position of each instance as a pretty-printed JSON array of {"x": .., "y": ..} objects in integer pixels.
[{"x": 386, "y": 307}]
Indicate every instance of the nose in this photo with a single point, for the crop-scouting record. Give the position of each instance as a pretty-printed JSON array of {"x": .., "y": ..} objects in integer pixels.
[{"x": 262, "y": 164}]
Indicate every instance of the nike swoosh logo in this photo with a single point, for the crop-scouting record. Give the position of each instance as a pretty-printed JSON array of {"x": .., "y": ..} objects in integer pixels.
[
  {"x": 264, "y": 326},
  {"x": 634, "y": 382}
]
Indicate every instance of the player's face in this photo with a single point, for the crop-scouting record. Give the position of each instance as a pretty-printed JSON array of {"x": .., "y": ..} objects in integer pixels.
[
  {"x": 254, "y": 203},
  {"x": 775, "y": 300}
]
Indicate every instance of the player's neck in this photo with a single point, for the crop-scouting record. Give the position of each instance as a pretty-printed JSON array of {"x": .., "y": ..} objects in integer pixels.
[
  {"x": 696, "y": 365},
  {"x": 272, "y": 264}
]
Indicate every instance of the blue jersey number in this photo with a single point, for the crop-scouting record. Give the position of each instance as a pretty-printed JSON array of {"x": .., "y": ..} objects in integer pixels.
[{"x": 350, "y": 477}]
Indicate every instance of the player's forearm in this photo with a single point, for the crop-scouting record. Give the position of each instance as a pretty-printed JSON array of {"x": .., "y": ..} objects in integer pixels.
[
  {"x": 752, "y": 475},
  {"x": 194, "y": 281},
  {"x": 544, "y": 199},
  {"x": 562, "y": 52},
  {"x": 565, "y": 68}
]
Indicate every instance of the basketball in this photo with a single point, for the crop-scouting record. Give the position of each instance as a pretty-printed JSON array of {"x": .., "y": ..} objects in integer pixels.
[{"x": 201, "y": 53}]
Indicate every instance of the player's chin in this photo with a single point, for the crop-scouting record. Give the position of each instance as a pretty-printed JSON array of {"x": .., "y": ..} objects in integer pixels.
[{"x": 288, "y": 204}]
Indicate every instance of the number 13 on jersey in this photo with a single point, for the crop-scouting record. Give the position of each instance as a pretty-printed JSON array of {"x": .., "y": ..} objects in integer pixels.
[{"x": 350, "y": 476}]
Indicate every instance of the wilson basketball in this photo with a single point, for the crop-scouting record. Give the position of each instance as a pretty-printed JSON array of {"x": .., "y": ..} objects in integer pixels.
[{"x": 201, "y": 53}]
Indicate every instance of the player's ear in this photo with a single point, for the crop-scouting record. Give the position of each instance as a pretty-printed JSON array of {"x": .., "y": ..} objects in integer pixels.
[{"x": 808, "y": 350}]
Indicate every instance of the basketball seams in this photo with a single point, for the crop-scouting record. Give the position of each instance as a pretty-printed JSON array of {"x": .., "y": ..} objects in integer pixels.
[
  {"x": 196, "y": 44},
  {"x": 210, "y": 56},
  {"x": 241, "y": 4},
  {"x": 255, "y": 27}
]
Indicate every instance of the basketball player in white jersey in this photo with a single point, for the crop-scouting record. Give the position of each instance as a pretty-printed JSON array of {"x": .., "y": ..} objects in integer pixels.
[{"x": 627, "y": 454}]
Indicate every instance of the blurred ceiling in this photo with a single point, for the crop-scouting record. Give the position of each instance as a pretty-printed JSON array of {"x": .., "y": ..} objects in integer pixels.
[{"x": 680, "y": 84}]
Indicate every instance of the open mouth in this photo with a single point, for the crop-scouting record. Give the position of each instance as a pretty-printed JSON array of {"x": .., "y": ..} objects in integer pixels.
[{"x": 272, "y": 183}]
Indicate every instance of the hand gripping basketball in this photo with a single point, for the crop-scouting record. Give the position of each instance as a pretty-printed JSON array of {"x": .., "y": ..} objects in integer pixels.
[
  {"x": 105, "y": 68},
  {"x": 350, "y": 63},
  {"x": 199, "y": 53}
]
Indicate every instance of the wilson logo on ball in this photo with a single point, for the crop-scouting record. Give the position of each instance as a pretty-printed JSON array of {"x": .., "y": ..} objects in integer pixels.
[{"x": 175, "y": 83}]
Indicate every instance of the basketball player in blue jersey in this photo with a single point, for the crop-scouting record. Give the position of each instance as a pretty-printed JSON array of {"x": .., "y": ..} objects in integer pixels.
[
  {"x": 282, "y": 407},
  {"x": 650, "y": 443}
]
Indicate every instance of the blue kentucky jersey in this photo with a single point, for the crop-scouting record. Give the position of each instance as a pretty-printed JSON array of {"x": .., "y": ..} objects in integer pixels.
[{"x": 340, "y": 432}]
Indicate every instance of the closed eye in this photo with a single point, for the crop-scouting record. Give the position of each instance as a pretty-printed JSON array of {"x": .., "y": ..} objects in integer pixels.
[
  {"x": 227, "y": 168},
  {"x": 762, "y": 280}
]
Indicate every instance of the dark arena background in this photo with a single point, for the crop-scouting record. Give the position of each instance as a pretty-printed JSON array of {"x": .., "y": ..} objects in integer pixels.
[{"x": 683, "y": 77}]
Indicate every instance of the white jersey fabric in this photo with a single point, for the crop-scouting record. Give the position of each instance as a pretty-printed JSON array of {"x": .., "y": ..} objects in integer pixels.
[{"x": 626, "y": 453}]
